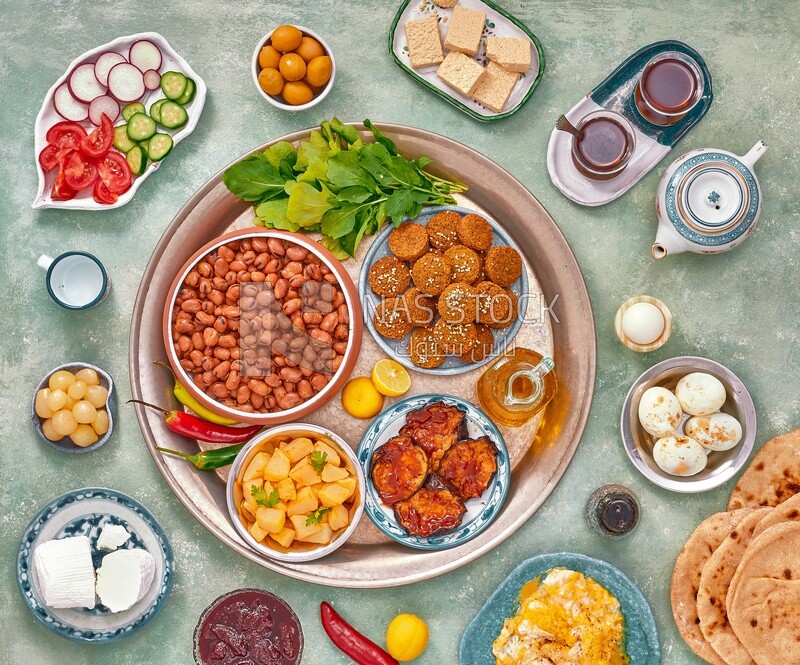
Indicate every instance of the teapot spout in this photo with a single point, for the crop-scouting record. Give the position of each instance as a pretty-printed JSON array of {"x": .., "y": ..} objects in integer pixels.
[
  {"x": 754, "y": 154},
  {"x": 668, "y": 241}
]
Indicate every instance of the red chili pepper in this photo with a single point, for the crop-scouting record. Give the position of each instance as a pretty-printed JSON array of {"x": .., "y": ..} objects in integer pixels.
[
  {"x": 361, "y": 649},
  {"x": 190, "y": 425}
]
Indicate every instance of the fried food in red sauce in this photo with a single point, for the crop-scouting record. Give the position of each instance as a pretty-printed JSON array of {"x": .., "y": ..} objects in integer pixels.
[
  {"x": 389, "y": 277},
  {"x": 430, "y": 511},
  {"x": 441, "y": 229},
  {"x": 503, "y": 265},
  {"x": 469, "y": 466},
  {"x": 409, "y": 241},
  {"x": 465, "y": 262},
  {"x": 474, "y": 232},
  {"x": 434, "y": 429},
  {"x": 391, "y": 318},
  {"x": 483, "y": 347},
  {"x": 458, "y": 303},
  {"x": 421, "y": 308},
  {"x": 424, "y": 348},
  {"x": 431, "y": 274},
  {"x": 399, "y": 469}
]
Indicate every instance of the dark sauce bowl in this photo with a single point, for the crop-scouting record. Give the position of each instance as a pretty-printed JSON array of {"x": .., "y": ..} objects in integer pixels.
[{"x": 253, "y": 621}]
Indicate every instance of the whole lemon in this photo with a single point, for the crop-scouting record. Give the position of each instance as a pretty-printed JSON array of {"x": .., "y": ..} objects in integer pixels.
[
  {"x": 361, "y": 399},
  {"x": 296, "y": 93},
  {"x": 269, "y": 57},
  {"x": 309, "y": 49},
  {"x": 292, "y": 67},
  {"x": 406, "y": 637},
  {"x": 319, "y": 71},
  {"x": 270, "y": 81}
]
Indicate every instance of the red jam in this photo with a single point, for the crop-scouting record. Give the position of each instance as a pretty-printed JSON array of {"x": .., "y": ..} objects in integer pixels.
[{"x": 248, "y": 627}]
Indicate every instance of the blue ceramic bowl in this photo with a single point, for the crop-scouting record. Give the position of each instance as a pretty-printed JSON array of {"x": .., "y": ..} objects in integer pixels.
[
  {"x": 85, "y": 512},
  {"x": 480, "y": 511},
  {"x": 641, "y": 634},
  {"x": 65, "y": 445},
  {"x": 397, "y": 349}
]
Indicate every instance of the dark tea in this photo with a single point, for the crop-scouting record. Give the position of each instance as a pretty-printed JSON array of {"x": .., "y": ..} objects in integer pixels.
[
  {"x": 605, "y": 147},
  {"x": 669, "y": 88}
]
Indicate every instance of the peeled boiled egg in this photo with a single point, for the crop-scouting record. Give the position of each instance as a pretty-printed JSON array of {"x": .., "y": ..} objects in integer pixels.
[
  {"x": 679, "y": 455},
  {"x": 719, "y": 431},
  {"x": 659, "y": 411},
  {"x": 700, "y": 394},
  {"x": 643, "y": 323}
]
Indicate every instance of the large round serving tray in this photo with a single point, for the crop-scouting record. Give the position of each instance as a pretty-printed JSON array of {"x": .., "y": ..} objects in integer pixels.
[{"x": 563, "y": 326}]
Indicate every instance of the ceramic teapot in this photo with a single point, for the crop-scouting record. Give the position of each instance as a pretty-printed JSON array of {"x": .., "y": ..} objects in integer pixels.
[{"x": 708, "y": 201}]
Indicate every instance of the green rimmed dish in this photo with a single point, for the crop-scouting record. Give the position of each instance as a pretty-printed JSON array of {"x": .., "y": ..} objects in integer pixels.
[
  {"x": 480, "y": 512},
  {"x": 641, "y": 633},
  {"x": 498, "y": 23}
]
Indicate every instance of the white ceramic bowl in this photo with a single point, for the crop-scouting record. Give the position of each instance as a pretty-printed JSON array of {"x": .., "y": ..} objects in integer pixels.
[
  {"x": 307, "y": 552},
  {"x": 276, "y": 101},
  {"x": 722, "y": 465}
]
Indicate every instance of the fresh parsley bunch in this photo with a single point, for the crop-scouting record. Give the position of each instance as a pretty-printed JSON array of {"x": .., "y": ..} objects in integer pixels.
[{"x": 337, "y": 185}]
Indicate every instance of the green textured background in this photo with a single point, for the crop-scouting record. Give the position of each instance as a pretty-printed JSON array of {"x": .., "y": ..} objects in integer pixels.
[{"x": 739, "y": 308}]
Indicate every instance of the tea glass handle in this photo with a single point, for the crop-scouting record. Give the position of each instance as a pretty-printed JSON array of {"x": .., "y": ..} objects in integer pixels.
[
  {"x": 754, "y": 154},
  {"x": 535, "y": 376},
  {"x": 44, "y": 262}
]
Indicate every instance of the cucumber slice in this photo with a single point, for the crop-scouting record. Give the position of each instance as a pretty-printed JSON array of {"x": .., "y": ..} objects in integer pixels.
[
  {"x": 155, "y": 109},
  {"x": 173, "y": 115},
  {"x": 143, "y": 145},
  {"x": 141, "y": 127},
  {"x": 159, "y": 147},
  {"x": 122, "y": 141},
  {"x": 173, "y": 84},
  {"x": 188, "y": 94},
  {"x": 137, "y": 160},
  {"x": 130, "y": 109}
]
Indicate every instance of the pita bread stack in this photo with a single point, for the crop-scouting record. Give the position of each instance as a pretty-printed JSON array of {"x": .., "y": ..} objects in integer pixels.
[{"x": 736, "y": 584}]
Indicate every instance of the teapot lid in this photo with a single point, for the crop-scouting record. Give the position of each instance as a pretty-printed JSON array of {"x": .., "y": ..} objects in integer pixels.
[{"x": 712, "y": 198}]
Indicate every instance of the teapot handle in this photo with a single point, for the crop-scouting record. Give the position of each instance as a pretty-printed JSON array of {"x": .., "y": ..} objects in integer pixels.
[{"x": 754, "y": 154}]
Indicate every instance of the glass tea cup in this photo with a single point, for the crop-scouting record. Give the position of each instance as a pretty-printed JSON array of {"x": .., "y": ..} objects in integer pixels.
[
  {"x": 670, "y": 86},
  {"x": 606, "y": 147}
]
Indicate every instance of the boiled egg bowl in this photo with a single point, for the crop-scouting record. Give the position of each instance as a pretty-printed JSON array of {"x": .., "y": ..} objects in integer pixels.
[{"x": 721, "y": 465}]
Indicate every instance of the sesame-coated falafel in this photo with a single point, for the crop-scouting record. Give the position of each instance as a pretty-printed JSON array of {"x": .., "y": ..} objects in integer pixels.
[
  {"x": 408, "y": 241},
  {"x": 431, "y": 274},
  {"x": 441, "y": 229},
  {"x": 389, "y": 276},
  {"x": 474, "y": 232},
  {"x": 503, "y": 265},
  {"x": 465, "y": 262}
]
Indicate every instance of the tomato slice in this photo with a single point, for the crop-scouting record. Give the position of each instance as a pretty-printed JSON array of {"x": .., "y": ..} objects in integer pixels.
[
  {"x": 61, "y": 191},
  {"x": 101, "y": 193},
  {"x": 115, "y": 172},
  {"x": 98, "y": 143},
  {"x": 48, "y": 158},
  {"x": 79, "y": 171},
  {"x": 66, "y": 135}
]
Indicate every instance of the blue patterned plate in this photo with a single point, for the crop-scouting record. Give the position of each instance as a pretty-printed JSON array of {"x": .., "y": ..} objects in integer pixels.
[
  {"x": 398, "y": 349},
  {"x": 480, "y": 511},
  {"x": 641, "y": 634},
  {"x": 85, "y": 512}
]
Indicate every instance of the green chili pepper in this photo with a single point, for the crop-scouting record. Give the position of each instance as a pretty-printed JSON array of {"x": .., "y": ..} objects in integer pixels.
[{"x": 208, "y": 460}]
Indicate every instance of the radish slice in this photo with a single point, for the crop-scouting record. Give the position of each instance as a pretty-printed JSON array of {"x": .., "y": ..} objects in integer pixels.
[
  {"x": 104, "y": 64},
  {"x": 145, "y": 55},
  {"x": 101, "y": 105},
  {"x": 83, "y": 84},
  {"x": 126, "y": 82},
  {"x": 152, "y": 79},
  {"x": 67, "y": 106}
]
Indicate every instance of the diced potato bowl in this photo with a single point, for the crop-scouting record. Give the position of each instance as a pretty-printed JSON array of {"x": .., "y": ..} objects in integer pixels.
[{"x": 296, "y": 492}]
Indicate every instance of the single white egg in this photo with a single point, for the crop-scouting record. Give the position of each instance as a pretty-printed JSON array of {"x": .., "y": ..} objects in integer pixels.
[
  {"x": 719, "y": 431},
  {"x": 700, "y": 394},
  {"x": 679, "y": 455},
  {"x": 643, "y": 323},
  {"x": 659, "y": 412}
]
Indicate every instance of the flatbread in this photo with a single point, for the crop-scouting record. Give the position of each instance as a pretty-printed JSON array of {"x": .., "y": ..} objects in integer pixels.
[
  {"x": 764, "y": 613},
  {"x": 714, "y": 580},
  {"x": 686, "y": 579},
  {"x": 788, "y": 511},
  {"x": 773, "y": 475}
]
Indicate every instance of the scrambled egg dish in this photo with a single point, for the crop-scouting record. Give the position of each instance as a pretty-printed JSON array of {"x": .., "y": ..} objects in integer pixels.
[{"x": 566, "y": 619}]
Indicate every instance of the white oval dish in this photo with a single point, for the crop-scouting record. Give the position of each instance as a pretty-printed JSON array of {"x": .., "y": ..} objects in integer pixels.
[{"x": 48, "y": 117}]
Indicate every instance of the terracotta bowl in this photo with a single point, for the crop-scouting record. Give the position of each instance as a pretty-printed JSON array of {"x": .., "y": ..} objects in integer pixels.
[{"x": 336, "y": 380}]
